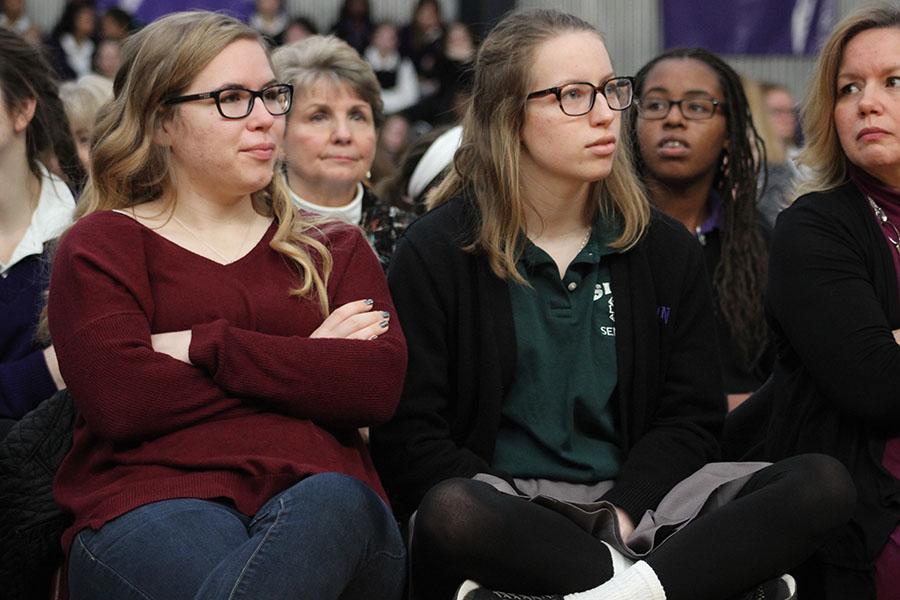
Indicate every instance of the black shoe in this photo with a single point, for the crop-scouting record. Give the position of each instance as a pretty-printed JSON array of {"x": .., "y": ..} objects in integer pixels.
[
  {"x": 469, "y": 590},
  {"x": 781, "y": 588}
]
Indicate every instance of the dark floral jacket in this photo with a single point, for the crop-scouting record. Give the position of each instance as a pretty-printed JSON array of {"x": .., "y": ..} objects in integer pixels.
[{"x": 383, "y": 224}]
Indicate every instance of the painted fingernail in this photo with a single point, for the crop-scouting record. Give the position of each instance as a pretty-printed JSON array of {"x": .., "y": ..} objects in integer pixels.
[
  {"x": 369, "y": 301},
  {"x": 374, "y": 337},
  {"x": 383, "y": 324},
  {"x": 386, "y": 315}
]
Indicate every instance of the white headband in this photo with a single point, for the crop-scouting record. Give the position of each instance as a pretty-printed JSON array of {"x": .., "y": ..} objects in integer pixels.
[{"x": 434, "y": 161}]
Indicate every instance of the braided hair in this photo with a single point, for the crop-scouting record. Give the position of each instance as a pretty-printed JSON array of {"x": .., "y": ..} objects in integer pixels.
[
  {"x": 740, "y": 277},
  {"x": 26, "y": 74}
]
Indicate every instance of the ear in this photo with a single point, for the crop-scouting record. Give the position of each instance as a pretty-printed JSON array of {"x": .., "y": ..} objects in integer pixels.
[
  {"x": 162, "y": 135},
  {"x": 23, "y": 113}
]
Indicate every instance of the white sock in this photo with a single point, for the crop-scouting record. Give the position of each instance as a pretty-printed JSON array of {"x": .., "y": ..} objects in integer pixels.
[
  {"x": 638, "y": 582},
  {"x": 620, "y": 562}
]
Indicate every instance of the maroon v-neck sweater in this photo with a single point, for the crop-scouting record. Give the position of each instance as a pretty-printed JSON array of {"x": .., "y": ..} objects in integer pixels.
[{"x": 262, "y": 406}]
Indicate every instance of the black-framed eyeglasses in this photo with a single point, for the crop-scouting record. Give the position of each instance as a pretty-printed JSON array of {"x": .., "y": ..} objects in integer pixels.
[
  {"x": 237, "y": 102},
  {"x": 576, "y": 99},
  {"x": 694, "y": 108}
]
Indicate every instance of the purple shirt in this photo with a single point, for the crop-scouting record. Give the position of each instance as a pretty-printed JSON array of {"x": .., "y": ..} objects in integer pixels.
[{"x": 713, "y": 221}]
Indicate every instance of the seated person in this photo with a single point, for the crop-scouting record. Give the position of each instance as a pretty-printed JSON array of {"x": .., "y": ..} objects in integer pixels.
[
  {"x": 35, "y": 207},
  {"x": 833, "y": 302},
  {"x": 563, "y": 396},
  {"x": 222, "y": 348},
  {"x": 329, "y": 144},
  {"x": 699, "y": 156}
]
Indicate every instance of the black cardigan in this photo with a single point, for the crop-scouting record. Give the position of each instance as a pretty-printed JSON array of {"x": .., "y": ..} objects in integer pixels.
[
  {"x": 832, "y": 303},
  {"x": 457, "y": 318}
]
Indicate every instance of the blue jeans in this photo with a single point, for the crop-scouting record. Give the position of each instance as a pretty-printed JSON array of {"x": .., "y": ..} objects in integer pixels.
[{"x": 328, "y": 536}]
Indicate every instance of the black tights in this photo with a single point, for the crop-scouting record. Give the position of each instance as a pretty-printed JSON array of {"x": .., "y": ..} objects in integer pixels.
[{"x": 466, "y": 529}]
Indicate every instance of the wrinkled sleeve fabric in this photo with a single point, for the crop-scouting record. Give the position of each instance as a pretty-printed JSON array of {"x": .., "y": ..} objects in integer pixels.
[
  {"x": 337, "y": 382},
  {"x": 99, "y": 305}
]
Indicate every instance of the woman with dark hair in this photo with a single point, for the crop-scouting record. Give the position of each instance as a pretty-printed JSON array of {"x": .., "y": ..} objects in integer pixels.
[
  {"x": 354, "y": 24},
  {"x": 563, "y": 397},
  {"x": 13, "y": 16},
  {"x": 422, "y": 167},
  {"x": 116, "y": 24},
  {"x": 299, "y": 28},
  {"x": 222, "y": 348},
  {"x": 699, "y": 156},
  {"x": 422, "y": 41},
  {"x": 35, "y": 206},
  {"x": 834, "y": 305},
  {"x": 270, "y": 19},
  {"x": 71, "y": 43}
]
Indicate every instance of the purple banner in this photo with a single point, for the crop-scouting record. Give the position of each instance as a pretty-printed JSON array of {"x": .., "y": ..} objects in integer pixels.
[
  {"x": 148, "y": 10},
  {"x": 749, "y": 26}
]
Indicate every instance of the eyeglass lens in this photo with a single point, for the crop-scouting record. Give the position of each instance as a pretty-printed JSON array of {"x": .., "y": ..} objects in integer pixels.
[
  {"x": 691, "y": 108},
  {"x": 237, "y": 103},
  {"x": 578, "y": 98}
]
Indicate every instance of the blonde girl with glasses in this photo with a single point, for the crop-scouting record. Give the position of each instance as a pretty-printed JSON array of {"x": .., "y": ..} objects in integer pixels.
[
  {"x": 563, "y": 397},
  {"x": 221, "y": 348}
]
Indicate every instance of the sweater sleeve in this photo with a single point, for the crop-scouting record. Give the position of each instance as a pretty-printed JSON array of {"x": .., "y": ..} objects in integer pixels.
[
  {"x": 822, "y": 298},
  {"x": 338, "y": 382},
  {"x": 24, "y": 383},
  {"x": 684, "y": 423},
  {"x": 99, "y": 306},
  {"x": 416, "y": 449}
]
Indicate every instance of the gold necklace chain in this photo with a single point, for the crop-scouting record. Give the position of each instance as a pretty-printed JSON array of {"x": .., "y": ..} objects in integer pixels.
[
  {"x": 225, "y": 260},
  {"x": 584, "y": 242}
]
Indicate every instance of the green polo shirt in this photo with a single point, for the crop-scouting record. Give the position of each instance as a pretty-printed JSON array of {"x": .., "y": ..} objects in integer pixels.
[{"x": 557, "y": 422}]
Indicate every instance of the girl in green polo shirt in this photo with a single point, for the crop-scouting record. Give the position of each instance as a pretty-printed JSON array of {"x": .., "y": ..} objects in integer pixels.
[{"x": 558, "y": 429}]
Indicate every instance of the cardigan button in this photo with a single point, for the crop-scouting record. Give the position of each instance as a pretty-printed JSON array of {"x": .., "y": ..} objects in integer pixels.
[{"x": 572, "y": 286}]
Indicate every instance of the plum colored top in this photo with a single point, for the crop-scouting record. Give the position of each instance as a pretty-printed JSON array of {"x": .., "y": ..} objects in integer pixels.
[{"x": 261, "y": 406}]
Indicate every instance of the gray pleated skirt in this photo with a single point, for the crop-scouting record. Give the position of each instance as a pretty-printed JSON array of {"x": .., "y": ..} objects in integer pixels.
[{"x": 712, "y": 486}]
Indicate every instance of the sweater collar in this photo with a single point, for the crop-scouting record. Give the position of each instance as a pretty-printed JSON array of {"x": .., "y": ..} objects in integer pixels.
[
  {"x": 350, "y": 213},
  {"x": 872, "y": 187}
]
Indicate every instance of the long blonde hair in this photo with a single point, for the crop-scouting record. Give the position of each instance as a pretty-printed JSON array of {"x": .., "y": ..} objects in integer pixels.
[
  {"x": 822, "y": 152},
  {"x": 488, "y": 160},
  {"x": 127, "y": 168}
]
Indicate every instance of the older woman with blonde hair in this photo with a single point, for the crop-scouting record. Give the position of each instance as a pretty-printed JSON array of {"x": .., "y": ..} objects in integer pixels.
[
  {"x": 82, "y": 99},
  {"x": 834, "y": 305},
  {"x": 221, "y": 349},
  {"x": 563, "y": 396},
  {"x": 330, "y": 137}
]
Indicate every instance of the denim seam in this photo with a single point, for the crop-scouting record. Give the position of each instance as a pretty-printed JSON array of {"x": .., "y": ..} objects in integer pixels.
[
  {"x": 109, "y": 568},
  {"x": 240, "y": 576}
]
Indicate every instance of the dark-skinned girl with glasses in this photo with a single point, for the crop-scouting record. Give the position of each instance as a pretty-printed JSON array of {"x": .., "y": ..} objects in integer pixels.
[
  {"x": 563, "y": 399},
  {"x": 699, "y": 156},
  {"x": 221, "y": 347}
]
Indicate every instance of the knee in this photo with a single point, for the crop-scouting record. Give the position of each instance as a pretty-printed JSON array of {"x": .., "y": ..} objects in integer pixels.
[
  {"x": 349, "y": 501},
  {"x": 823, "y": 490},
  {"x": 448, "y": 515}
]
